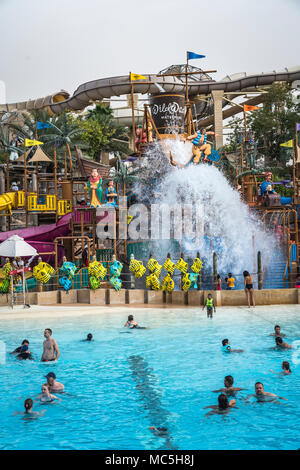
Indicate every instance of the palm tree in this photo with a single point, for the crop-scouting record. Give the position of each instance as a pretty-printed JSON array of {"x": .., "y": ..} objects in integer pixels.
[
  {"x": 125, "y": 176},
  {"x": 64, "y": 132}
]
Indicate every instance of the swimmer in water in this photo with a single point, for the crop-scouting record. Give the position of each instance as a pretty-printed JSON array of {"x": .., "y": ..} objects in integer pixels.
[
  {"x": 224, "y": 406},
  {"x": 24, "y": 353},
  {"x": 28, "y": 404},
  {"x": 227, "y": 347},
  {"x": 46, "y": 396},
  {"x": 131, "y": 323},
  {"x": 89, "y": 337},
  {"x": 229, "y": 389},
  {"x": 277, "y": 332},
  {"x": 263, "y": 396},
  {"x": 52, "y": 384},
  {"x": 286, "y": 370},
  {"x": 25, "y": 342},
  {"x": 280, "y": 344}
]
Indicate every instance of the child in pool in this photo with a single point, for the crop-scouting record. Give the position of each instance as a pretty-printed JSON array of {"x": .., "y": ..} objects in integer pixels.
[
  {"x": 28, "y": 404},
  {"x": 286, "y": 370},
  {"x": 46, "y": 396},
  {"x": 227, "y": 348}
]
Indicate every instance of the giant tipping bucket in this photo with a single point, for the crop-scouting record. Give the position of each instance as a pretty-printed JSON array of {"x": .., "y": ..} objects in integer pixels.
[{"x": 168, "y": 112}]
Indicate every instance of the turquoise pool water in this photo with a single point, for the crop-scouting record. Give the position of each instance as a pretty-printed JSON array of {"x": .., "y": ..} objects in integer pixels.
[{"x": 122, "y": 383}]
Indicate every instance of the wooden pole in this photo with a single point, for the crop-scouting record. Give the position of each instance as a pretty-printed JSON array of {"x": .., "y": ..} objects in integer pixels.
[
  {"x": 187, "y": 103},
  {"x": 7, "y": 173},
  {"x": 132, "y": 112},
  {"x": 70, "y": 157},
  {"x": 259, "y": 270},
  {"x": 215, "y": 270},
  {"x": 66, "y": 165}
]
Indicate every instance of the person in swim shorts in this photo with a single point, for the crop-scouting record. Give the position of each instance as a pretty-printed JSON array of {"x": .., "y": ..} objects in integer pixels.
[
  {"x": 210, "y": 306},
  {"x": 248, "y": 284},
  {"x": 51, "y": 350}
]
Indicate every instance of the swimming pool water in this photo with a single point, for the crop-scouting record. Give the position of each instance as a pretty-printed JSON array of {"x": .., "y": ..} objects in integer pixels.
[{"x": 122, "y": 383}]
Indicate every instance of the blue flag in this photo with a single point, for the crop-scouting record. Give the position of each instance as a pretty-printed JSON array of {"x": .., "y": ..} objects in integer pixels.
[
  {"x": 42, "y": 125},
  {"x": 193, "y": 55}
]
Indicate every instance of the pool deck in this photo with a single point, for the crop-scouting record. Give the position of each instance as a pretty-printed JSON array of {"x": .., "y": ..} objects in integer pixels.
[{"x": 108, "y": 298}]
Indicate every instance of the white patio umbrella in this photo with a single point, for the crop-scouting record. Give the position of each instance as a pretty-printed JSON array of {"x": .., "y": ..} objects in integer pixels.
[{"x": 16, "y": 246}]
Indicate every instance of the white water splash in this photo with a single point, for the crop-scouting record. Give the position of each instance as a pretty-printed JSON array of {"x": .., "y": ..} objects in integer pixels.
[{"x": 230, "y": 228}]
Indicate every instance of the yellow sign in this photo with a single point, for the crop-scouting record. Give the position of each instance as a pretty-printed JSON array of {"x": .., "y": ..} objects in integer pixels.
[
  {"x": 136, "y": 76},
  {"x": 30, "y": 143}
]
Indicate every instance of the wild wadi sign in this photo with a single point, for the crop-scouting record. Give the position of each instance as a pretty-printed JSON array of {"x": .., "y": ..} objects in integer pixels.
[{"x": 168, "y": 112}]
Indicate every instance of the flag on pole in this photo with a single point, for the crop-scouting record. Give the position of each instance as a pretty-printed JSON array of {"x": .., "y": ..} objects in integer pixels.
[
  {"x": 247, "y": 107},
  {"x": 193, "y": 55},
  {"x": 30, "y": 143},
  {"x": 298, "y": 127},
  {"x": 42, "y": 125},
  {"x": 136, "y": 76},
  {"x": 288, "y": 144}
]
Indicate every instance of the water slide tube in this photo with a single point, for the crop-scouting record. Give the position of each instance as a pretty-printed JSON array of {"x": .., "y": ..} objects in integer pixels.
[{"x": 115, "y": 86}]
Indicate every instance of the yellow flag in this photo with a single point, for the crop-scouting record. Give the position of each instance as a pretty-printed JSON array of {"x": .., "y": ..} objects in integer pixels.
[
  {"x": 129, "y": 219},
  {"x": 289, "y": 144},
  {"x": 30, "y": 143},
  {"x": 136, "y": 76}
]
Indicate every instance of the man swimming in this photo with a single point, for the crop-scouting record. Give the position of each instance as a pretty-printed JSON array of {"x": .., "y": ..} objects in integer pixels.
[
  {"x": 224, "y": 406},
  {"x": 46, "y": 396},
  {"x": 51, "y": 351},
  {"x": 277, "y": 331},
  {"x": 229, "y": 389},
  {"x": 227, "y": 348},
  {"x": 52, "y": 384},
  {"x": 280, "y": 344},
  {"x": 261, "y": 395}
]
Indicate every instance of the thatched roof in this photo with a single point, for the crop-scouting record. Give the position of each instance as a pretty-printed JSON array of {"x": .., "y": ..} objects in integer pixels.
[{"x": 39, "y": 156}]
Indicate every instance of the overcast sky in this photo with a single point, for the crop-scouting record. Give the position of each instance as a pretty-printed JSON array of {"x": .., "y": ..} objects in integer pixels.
[{"x": 48, "y": 45}]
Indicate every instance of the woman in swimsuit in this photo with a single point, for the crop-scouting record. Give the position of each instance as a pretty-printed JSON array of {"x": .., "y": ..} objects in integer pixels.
[{"x": 248, "y": 283}]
